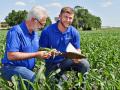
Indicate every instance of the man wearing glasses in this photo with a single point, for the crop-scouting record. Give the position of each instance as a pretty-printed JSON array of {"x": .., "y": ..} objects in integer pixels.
[
  {"x": 22, "y": 44},
  {"x": 58, "y": 36}
]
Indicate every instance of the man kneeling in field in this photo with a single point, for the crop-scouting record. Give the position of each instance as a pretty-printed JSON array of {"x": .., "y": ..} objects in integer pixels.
[{"x": 58, "y": 36}]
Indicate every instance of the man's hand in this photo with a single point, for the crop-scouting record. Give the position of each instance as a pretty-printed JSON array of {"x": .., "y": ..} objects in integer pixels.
[
  {"x": 48, "y": 53},
  {"x": 54, "y": 53},
  {"x": 43, "y": 54},
  {"x": 76, "y": 60}
]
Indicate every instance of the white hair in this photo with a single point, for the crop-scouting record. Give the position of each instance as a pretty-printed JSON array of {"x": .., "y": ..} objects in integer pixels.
[{"x": 37, "y": 12}]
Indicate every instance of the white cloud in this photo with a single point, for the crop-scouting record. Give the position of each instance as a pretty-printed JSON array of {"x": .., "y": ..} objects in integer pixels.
[
  {"x": 107, "y": 4},
  {"x": 20, "y": 3},
  {"x": 55, "y": 4},
  {"x": 32, "y": 2}
]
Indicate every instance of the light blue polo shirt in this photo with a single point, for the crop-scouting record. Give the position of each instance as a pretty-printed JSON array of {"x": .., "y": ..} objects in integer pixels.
[
  {"x": 51, "y": 37},
  {"x": 20, "y": 40}
]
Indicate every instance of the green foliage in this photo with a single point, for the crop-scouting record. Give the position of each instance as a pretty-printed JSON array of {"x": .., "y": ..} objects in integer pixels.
[
  {"x": 16, "y": 17},
  {"x": 45, "y": 49},
  {"x": 2, "y": 42},
  {"x": 48, "y": 21},
  {"x": 103, "y": 51},
  {"x": 85, "y": 20}
]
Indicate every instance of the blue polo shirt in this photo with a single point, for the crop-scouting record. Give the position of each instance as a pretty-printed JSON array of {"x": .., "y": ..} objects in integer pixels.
[
  {"x": 51, "y": 37},
  {"x": 20, "y": 40}
]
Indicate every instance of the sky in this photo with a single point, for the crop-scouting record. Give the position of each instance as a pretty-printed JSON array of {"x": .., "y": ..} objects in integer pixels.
[{"x": 107, "y": 10}]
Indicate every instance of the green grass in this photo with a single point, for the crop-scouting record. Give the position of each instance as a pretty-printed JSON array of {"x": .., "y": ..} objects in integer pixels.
[
  {"x": 2, "y": 42},
  {"x": 102, "y": 48}
]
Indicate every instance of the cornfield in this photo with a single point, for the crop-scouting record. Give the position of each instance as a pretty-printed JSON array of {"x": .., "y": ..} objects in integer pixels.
[{"x": 102, "y": 49}]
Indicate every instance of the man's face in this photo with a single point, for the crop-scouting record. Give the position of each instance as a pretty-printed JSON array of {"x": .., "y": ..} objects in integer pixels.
[
  {"x": 66, "y": 19},
  {"x": 38, "y": 24}
]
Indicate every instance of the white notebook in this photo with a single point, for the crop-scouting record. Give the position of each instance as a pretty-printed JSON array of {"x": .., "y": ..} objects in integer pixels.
[{"x": 71, "y": 48}]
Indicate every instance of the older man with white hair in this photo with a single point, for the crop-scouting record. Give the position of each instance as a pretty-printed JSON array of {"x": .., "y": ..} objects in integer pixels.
[{"x": 22, "y": 46}]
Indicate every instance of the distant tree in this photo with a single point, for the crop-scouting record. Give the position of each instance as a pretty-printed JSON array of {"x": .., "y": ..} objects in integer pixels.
[
  {"x": 85, "y": 20},
  {"x": 97, "y": 22},
  {"x": 48, "y": 21},
  {"x": 15, "y": 17}
]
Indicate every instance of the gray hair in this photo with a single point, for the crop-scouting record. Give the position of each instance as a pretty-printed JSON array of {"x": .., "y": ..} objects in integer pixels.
[{"x": 37, "y": 12}]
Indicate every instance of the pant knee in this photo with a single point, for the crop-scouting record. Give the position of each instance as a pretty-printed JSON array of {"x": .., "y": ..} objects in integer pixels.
[{"x": 85, "y": 64}]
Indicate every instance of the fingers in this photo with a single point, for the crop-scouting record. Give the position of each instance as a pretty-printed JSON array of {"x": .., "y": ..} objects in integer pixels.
[
  {"x": 46, "y": 55},
  {"x": 76, "y": 60},
  {"x": 55, "y": 52},
  {"x": 43, "y": 54}
]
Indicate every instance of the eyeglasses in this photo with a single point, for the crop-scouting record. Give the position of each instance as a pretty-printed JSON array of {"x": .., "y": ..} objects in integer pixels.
[{"x": 42, "y": 24}]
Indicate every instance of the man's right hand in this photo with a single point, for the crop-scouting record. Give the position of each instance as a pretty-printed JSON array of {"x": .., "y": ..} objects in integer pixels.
[{"x": 43, "y": 54}]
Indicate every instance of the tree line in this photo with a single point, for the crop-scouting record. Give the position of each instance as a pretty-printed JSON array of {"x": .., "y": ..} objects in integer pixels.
[
  {"x": 83, "y": 19},
  {"x": 16, "y": 17}
]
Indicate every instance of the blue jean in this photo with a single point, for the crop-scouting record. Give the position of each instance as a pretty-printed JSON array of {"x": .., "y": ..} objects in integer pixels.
[
  {"x": 68, "y": 65},
  {"x": 8, "y": 71}
]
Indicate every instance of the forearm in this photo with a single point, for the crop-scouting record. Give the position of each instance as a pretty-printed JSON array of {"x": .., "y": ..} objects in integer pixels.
[{"x": 20, "y": 55}]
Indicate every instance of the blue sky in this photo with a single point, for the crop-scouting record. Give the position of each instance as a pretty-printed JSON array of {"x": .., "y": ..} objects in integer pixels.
[{"x": 108, "y": 10}]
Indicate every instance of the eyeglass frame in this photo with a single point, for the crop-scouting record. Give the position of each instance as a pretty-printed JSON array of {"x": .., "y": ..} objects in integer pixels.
[{"x": 39, "y": 22}]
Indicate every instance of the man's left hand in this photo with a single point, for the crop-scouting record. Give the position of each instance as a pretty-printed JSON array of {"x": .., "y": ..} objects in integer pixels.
[{"x": 76, "y": 60}]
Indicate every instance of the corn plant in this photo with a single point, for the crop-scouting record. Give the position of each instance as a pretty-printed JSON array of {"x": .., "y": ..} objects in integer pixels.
[{"x": 102, "y": 49}]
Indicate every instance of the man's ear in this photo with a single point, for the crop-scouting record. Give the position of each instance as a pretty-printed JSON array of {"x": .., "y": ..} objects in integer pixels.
[{"x": 59, "y": 17}]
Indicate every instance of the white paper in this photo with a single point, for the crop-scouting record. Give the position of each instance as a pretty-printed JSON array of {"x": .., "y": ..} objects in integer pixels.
[{"x": 71, "y": 48}]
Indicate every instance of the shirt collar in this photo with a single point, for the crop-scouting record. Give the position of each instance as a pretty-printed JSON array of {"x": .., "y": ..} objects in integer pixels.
[{"x": 25, "y": 29}]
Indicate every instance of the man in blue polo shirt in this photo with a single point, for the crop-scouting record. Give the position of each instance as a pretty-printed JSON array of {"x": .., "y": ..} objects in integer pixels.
[
  {"x": 58, "y": 36},
  {"x": 22, "y": 44}
]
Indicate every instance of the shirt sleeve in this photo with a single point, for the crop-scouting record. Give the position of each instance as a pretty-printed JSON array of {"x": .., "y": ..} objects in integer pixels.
[
  {"x": 13, "y": 41},
  {"x": 44, "y": 40},
  {"x": 76, "y": 40}
]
